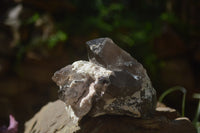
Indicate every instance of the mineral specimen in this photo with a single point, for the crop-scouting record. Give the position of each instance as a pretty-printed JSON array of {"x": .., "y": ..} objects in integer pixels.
[{"x": 111, "y": 82}]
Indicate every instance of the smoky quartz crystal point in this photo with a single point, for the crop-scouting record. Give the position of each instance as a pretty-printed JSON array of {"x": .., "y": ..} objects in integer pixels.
[{"x": 111, "y": 82}]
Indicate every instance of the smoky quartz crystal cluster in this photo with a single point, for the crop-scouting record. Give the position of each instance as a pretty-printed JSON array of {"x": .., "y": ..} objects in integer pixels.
[{"x": 111, "y": 82}]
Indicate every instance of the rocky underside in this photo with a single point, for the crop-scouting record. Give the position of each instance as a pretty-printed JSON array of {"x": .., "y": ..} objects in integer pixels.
[{"x": 53, "y": 118}]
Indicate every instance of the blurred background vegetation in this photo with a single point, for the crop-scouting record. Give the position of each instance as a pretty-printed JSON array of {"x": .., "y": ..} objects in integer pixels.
[{"x": 38, "y": 37}]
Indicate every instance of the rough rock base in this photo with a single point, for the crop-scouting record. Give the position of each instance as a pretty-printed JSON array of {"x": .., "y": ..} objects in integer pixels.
[{"x": 53, "y": 118}]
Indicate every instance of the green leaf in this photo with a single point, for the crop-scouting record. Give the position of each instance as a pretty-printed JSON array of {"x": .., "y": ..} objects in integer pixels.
[{"x": 176, "y": 88}]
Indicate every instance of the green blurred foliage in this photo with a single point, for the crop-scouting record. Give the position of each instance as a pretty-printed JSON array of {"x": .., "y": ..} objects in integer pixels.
[
  {"x": 33, "y": 18},
  {"x": 59, "y": 36},
  {"x": 196, "y": 121},
  {"x": 131, "y": 24}
]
